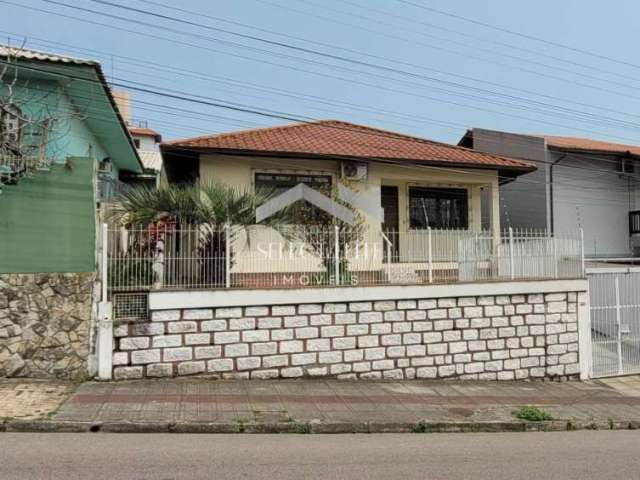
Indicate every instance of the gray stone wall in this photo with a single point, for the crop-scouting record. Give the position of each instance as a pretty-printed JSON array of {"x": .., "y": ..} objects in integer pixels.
[
  {"x": 44, "y": 324},
  {"x": 493, "y": 338}
]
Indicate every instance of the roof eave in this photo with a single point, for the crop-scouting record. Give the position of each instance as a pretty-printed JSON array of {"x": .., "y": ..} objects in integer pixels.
[
  {"x": 593, "y": 151},
  {"x": 123, "y": 125},
  {"x": 519, "y": 170}
]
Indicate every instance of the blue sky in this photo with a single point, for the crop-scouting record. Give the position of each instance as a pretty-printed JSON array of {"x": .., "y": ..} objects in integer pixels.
[{"x": 430, "y": 75}]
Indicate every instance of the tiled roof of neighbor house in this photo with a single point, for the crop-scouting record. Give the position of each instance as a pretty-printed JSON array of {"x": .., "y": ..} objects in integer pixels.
[
  {"x": 144, "y": 132},
  {"x": 588, "y": 145},
  {"x": 151, "y": 160},
  {"x": 338, "y": 139},
  {"x": 26, "y": 54}
]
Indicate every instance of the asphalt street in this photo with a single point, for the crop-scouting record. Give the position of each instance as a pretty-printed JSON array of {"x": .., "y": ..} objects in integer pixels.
[{"x": 571, "y": 455}]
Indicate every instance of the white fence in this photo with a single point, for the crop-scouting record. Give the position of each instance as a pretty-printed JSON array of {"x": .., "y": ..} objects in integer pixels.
[{"x": 204, "y": 257}]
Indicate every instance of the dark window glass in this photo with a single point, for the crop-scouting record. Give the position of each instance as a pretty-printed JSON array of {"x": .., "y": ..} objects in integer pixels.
[
  {"x": 438, "y": 207},
  {"x": 303, "y": 212}
]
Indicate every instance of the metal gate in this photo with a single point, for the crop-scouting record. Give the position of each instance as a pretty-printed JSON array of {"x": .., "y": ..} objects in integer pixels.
[{"x": 615, "y": 321}]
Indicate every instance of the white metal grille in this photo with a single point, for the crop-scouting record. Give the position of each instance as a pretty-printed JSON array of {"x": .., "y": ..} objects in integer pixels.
[
  {"x": 131, "y": 307},
  {"x": 167, "y": 257},
  {"x": 615, "y": 322}
]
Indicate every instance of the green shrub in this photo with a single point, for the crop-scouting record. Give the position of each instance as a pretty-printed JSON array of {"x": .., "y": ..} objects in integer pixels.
[{"x": 532, "y": 414}]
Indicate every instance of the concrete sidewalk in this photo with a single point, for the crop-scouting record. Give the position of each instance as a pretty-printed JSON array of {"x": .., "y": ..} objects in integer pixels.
[{"x": 305, "y": 406}]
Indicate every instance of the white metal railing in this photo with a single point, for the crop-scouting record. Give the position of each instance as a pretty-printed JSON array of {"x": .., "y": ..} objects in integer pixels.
[{"x": 206, "y": 257}]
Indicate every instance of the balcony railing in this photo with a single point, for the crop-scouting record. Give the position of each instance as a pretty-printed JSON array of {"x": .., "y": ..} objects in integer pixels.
[
  {"x": 203, "y": 257},
  {"x": 109, "y": 188},
  {"x": 14, "y": 167}
]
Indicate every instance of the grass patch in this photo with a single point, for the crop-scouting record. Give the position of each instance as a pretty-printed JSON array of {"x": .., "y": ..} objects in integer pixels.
[
  {"x": 532, "y": 414},
  {"x": 302, "y": 428}
]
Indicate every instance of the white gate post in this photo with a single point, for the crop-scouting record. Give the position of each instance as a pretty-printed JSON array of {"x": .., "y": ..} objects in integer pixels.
[
  {"x": 430, "y": 246},
  {"x": 555, "y": 257},
  {"x": 511, "y": 266},
  {"x": 337, "y": 254},
  {"x": 104, "y": 260},
  {"x": 104, "y": 321},
  {"x": 227, "y": 256},
  {"x": 619, "y": 326},
  {"x": 585, "y": 339},
  {"x": 582, "y": 251}
]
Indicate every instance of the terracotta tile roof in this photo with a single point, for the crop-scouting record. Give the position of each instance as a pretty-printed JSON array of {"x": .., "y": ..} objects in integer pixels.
[
  {"x": 574, "y": 143},
  {"x": 340, "y": 139},
  {"x": 143, "y": 132}
]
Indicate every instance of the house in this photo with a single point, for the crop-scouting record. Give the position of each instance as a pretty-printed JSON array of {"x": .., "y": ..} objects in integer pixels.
[
  {"x": 395, "y": 277},
  {"x": 147, "y": 142},
  {"x": 384, "y": 271},
  {"x": 60, "y": 136},
  {"x": 400, "y": 185},
  {"x": 578, "y": 184}
]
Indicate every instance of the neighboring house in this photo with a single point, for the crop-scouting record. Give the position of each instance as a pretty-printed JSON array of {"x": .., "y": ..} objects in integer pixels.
[
  {"x": 147, "y": 142},
  {"x": 406, "y": 183},
  {"x": 59, "y": 132},
  {"x": 579, "y": 183}
]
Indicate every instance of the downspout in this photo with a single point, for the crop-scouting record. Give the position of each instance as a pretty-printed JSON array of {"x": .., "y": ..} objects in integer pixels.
[{"x": 553, "y": 164}]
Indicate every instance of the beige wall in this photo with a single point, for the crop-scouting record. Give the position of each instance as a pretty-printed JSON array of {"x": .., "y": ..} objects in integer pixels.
[{"x": 240, "y": 172}]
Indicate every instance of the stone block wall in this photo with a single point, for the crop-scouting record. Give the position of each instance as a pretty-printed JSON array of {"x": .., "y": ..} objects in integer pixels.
[
  {"x": 505, "y": 337},
  {"x": 44, "y": 324}
]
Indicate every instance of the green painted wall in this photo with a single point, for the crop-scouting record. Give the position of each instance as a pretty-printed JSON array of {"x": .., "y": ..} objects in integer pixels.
[
  {"x": 47, "y": 222},
  {"x": 70, "y": 135}
]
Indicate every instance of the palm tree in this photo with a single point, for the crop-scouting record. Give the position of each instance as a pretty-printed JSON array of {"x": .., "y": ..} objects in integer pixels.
[
  {"x": 211, "y": 203},
  {"x": 218, "y": 213}
]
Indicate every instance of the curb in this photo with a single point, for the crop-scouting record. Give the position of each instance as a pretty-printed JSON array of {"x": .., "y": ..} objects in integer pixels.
[{"x": 53, "y": 426}]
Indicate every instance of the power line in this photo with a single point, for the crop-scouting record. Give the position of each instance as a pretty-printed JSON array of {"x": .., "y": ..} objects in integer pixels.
[
  {"x": 297, "y": 48},
  {"x": 478, "y": 38},
  {"x": 375, "y": 159},
  {"x": 516, "y": 57},
  {"x": 520, "y": 34},
  {"x": 298, "y": 69},
  {"x": 288, "y": 93},
  {"x": 581, "y": 116},
  {"x": 236, "y": 107},
  {"x": 394, "y": 60},
  {"x": 457, "y": 53}
]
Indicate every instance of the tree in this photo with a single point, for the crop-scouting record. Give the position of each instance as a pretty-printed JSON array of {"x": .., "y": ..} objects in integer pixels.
[
  {"x": 218, "y": 214},
  {"x": 35, "y": 122}
]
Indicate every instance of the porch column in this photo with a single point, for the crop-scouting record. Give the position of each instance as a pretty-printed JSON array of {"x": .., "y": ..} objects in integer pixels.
[
  {"x": 495, "y": 211},
  {"x": 476, "y": 208}
]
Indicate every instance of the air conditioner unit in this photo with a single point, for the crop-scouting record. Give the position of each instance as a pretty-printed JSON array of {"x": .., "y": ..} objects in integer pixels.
[{"x": 354, "y": 171}]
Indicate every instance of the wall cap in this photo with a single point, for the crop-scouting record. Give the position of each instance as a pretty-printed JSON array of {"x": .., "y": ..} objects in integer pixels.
[{"x": 168, "y": 300}]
